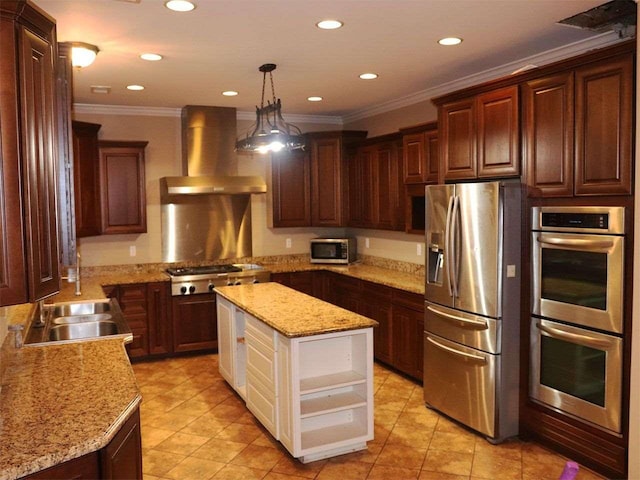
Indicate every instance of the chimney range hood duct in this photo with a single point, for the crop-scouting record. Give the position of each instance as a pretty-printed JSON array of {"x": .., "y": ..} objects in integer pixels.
[
  {"x": 209, "y": 160},
  {"x": 206, "y": 214}
]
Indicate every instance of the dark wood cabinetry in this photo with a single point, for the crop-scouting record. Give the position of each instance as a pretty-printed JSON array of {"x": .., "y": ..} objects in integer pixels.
[
  {"x": 291, "y": 189},
  {"x": 86, "y": 178},
  {"x": 159, "y": 318},
  {"x": 122, "y": 187},
  {"x": 194, "y": 323},
  {"x": 376, "y": 303},
  {"x": 479, "y": 135},
  {"x": 304, "y": 282},
  {"x": 29, "y": 269},
  {"x": 309, "y": 188},
  {"x": 376, "y": 196},
  {"x": 578, "y": 130}
]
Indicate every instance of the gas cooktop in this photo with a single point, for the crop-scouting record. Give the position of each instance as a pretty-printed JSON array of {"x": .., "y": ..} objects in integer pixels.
[{"x": 204, "y": 278}]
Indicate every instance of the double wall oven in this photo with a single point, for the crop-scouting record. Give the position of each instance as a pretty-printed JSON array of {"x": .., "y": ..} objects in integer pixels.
[{"x": 577, "y": 312}]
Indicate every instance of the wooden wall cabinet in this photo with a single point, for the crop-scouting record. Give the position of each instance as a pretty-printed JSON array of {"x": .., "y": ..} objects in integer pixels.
[
  {"x": 479, "y": 135},
  {"x": 86, "y": 178},
  {"x": 291, "y": 189},
  {"x": 29, "y": 142},
  {"x": 578, "y": 130},
  {"x": 376, "y": 195},
  {"x": 122, "y": 187},
  {"x": 420, "y": 153}
]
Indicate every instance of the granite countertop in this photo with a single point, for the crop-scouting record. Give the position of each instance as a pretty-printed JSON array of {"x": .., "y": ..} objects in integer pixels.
[
  {"x": 62, "y": 401},
  {"x": 292, "y": 313}
]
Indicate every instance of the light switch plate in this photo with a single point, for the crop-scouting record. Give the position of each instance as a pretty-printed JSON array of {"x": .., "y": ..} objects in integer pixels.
[{"x": 511, "y": 271}]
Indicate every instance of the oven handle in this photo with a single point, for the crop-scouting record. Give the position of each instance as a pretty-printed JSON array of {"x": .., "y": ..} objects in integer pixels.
[
  {"x": 475, "y": 323},
  {"x": 576, "y": 243},
  {"x": 475, "y": 358},
  {"x": 575, "y": 337}
]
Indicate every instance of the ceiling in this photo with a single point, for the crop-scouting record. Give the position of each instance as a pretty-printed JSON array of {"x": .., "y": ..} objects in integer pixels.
[{"x": 220, "y": 45}]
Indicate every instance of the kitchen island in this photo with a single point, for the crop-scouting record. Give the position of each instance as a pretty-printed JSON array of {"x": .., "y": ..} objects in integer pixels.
[{"x": 303, "y": 366}]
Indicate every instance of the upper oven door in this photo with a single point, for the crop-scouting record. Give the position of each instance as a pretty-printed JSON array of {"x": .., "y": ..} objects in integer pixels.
[{"x": 579, "y": 278}]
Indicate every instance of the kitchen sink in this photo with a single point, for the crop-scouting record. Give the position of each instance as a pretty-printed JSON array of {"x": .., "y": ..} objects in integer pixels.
[
  {"x": 74, "y": 331},
  {"x": 73, "y": 321},
  {"x": 80, "y": 308}
]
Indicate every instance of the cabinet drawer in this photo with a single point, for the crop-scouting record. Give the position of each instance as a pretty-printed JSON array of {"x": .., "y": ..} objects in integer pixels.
[
  {"x": 261, "y": 332},
  {"x": 263, "y": 404},
  {"x": 261, "y": 361}
]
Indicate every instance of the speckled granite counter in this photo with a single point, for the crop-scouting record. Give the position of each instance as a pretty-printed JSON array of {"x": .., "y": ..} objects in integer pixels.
[
  {"x": 59, "y": 402},
  {"x": 291, "y": 313},
  {"x": 410, "y": 282}
]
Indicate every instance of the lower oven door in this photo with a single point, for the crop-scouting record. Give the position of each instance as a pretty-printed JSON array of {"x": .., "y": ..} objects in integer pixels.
[
  {"x": 577, "y": 371},
  {"x": 461, "y": 382}
]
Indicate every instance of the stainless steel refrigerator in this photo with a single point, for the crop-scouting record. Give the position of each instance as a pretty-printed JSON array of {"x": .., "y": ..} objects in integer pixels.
[{"x": 472, "y": 304}]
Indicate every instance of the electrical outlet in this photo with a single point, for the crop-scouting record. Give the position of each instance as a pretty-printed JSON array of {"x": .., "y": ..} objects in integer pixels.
[
  {"x": 366, "y": 243},
  {"x": 511, "y": 271},
  {"x": 132, "y": 251},
  {"x": 287, "y": 243},
  {"x": 419, "y": 249}
]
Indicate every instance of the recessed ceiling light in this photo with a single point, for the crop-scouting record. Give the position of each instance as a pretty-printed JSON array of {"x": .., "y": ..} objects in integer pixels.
[
  {"x": 329, "y": 24},
  {"x": 179, "y": 5},
  {"x": 230, "y": 93},
  {"x": 151, "y": 57},
  {"x": 314, "y": 99},
  {"x": 135, "y": 87},
  {"x": 368, "y": 76},
  {"x": 450, "y": 41}
]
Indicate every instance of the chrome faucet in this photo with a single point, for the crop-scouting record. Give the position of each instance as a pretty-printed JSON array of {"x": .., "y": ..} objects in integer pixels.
[{"x": 39, "y": 320}]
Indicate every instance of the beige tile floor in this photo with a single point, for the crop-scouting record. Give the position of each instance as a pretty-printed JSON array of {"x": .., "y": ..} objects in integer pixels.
[{"x": 195, "y": 427}]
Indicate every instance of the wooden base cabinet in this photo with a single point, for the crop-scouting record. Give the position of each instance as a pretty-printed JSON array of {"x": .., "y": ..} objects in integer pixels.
[
  {"x": 194, "y": 323},
  {"x": 314, "y": 394}
]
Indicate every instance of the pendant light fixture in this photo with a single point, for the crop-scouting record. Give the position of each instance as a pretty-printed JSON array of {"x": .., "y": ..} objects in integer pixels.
[{"x": 270, "y": 133}]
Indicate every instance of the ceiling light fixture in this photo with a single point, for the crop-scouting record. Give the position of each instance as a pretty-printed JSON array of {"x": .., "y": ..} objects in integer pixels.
[
  {"x": 329, "y": 24},
  {"x": 151, "y": 57},
  {"x": 270, "y": 133},
  {"x": 314, "y": 99},
  {"x": 135, "y": 87},
  {"x": 83, "y": 54},
  {"x": 230, "y": 93},
  {"x": 179, "y": 5},
  {"x": 368, "y": 76},
  {"x": 448, "y": 41}
]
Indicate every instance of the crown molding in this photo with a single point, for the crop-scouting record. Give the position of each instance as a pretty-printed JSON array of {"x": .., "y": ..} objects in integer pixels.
[
  {"x": 176, "y": 112},
  {"x": 540, "y": 59}
]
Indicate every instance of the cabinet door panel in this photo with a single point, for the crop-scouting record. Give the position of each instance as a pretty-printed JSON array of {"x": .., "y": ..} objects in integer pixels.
[
  {"x": 547, "y": 105},
  {"x": 327, "y": 174},
  {"x": 122, "y": 458},
  {"x": 407, "y": 337},
  {"x": 133, "y": 303},
  {"x": 414, "y": 157},
  {"x": 194, "y": 323},
  {"x": 86, "y": 176},
  {"x": 387, "y": 205},
  {"x": 604, "y": 112},
  {"x": 291, "y": 189},
  {"x": 458, "y": 140},
  {"x": 39, "y": 150},
  {"x": 498, "y": 133},
  {"x": 159, "y": 318},
  {"x": 432, "y": 156}
]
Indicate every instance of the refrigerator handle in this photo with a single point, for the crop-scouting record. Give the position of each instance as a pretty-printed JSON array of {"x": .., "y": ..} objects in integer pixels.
[
  {"x": 479, "y": 325},
  {"x": 454, "y": 248},
  {"x": 447, "y": 241},
  {"x": 474, "y": 358}
]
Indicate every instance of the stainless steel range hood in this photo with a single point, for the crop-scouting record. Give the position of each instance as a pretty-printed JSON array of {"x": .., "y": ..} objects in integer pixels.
[
  {"x": 206, "y": 213},
  {"x": 209, "y": 160}
]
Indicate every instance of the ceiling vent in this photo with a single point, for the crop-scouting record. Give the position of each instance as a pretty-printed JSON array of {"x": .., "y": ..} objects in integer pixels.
[{"x": 618, "y": 16}]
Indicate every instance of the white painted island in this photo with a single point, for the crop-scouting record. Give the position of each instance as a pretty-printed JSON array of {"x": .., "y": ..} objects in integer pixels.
[{"x": 303, "y": 366}]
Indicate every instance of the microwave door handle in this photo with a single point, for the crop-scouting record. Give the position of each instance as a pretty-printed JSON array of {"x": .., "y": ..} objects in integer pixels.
[
  {"x": 455, "y": 246},
  {"x": 448, "y": 252},
  {"x": 479, "y": 325},
  {"x": 475, "y": 358},
  {"x": 577, "y": 243},
  {"x": 585, "y": 340}
]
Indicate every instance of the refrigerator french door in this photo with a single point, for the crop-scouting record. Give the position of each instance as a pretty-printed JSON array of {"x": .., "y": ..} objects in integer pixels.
[{"x": 472, "y": 304}]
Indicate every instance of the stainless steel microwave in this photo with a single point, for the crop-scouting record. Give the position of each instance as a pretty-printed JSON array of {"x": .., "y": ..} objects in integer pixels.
[{"x": 333, "y": 250}]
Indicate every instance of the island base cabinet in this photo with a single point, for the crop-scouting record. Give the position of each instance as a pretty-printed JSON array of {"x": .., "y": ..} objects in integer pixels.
[
  {"x": 330, "y": 394},
  {"x": 232, "y": 351}
]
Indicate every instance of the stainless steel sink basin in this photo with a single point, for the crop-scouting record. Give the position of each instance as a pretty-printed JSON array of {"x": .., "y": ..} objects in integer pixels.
[
  {"x": 74, "y": 331},
  {"x": 90, "y": 317},
  {"x": 73, "y": 321},
  {"x": 79, "y": 308}
]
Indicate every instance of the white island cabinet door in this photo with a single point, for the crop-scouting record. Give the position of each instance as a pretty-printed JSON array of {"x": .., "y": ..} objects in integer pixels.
[{"x": 226, "y": 336}]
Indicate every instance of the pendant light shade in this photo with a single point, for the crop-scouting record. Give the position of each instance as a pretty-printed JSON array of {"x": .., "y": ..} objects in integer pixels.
[{"x": 270, "y": 132}]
